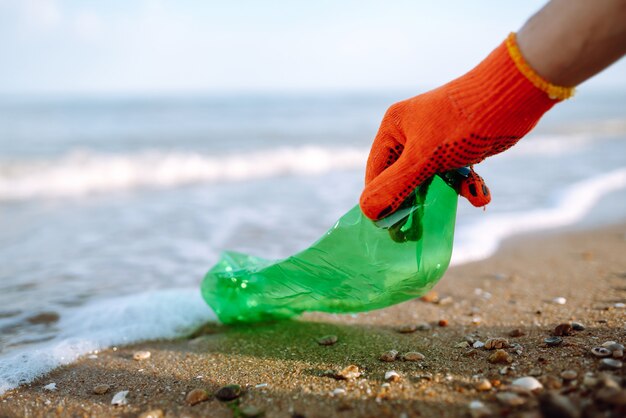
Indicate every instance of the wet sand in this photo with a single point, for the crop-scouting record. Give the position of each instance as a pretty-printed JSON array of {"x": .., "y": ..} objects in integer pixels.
[{"x": 284, "y": 372}]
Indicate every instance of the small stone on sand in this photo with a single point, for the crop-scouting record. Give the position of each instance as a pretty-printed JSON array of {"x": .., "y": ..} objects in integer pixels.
[
  {"x": 563, "y": 330},
  {"x": 478, "y": 344},
  {"x": 516, "y": 333},
  {"x": 392, "y": 376},
  {"x": 528, "y": 383},
  {"x": 251, "y": 411},
  {"x": 196, "y": 396},
  {"x": 327, "y": 340},
  {"x": 495, "y": 343},
  {"x": 483, "y": 385},
  {"x": 553, "y": 341},
  {"x": 389, "y": 356},
  {"x": 120, "y": 399},
  {"x": 154, "y": 413},
  {"x": 51, "y": 387},
  {"x": 228, "y": 392},
  {"x": 430, "y": 297},
  {"x": 407, "y": 329},
  {"x": 141, "y": 355},
  {"x": 413, "y": 356},
  {"x": 577, "y": 326},
  {"x": 510, "y": 399},
  {"x": 101, "y": 389},
  {"x": 600, "y": 352},
  {"x": 611, "y": 364},
  {"x": 424, "y": 326},
  {"x": 350, "y": 372},
  {"x": 338, "y": 391},
  {"x": 569, "y": 374},
  {"x": 500, "y": 356},
  {"x": 443, "y": 323},
  {"x": 477, "y": 409},
  {"x": 559, "y": 300}
]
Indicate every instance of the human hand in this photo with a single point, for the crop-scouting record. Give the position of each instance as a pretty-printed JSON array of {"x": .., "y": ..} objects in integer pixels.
[{"x": 482, "y": 113}]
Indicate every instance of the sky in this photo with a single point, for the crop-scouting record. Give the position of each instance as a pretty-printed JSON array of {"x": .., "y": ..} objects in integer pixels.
[{"x": 196, "y": 46}]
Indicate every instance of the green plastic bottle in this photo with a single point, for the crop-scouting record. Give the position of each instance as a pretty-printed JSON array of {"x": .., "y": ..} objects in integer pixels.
[{"x": 356, "y": 266}]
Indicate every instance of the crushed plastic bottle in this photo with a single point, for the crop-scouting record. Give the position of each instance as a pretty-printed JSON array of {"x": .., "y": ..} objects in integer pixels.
[{"x": 356, "y": 266}]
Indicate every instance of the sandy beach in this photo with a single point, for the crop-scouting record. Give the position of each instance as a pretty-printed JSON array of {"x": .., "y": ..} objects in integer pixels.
[{"x": 533, "y": 284}]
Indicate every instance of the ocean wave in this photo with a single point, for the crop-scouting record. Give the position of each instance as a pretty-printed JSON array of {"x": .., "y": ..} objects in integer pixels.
[
  {"x": 124, "y": 320},
  {"x": 82, "y": 173},
  {"x": 481, "y": 239}
]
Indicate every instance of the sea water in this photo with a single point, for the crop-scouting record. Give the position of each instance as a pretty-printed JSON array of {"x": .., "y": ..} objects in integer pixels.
[{"x": 113, "y": 209}]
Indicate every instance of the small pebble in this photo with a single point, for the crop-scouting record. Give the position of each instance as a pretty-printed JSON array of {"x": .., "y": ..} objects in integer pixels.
[
  {"x": 478, "y": 344},
  {"x": 559, "y": 300},
  {"x": 154, "y": 413},
  {"x": 610, "y": 363},
  {"x": 413, "y": 356},
  {"x": 569, "y": 374},
  {"x": 577, "y": 326},
  {"x": 500, "y": 356},
  {"x": 196, "y": 396},
  {"x": 51, "y": 387},
  {"x": 251, "y": 411},
  {"x": 613, "y": 346},
  {"x": 600, "y": 352},
  {"x": 228, "y": 392},
  {"x": 350, "y": 372},
  {"x": 443, "y": 323},
  {"x": 389, "y": 356},
  {"x": 141, "y": 355},
  {"x": 407, "y": 329},
  {"x": 101, "y": 389},
  {"x": 477, "y": 409},
  {"x": 462, "y": 344},
  {"x": 618, "y": 354},
  {"x": 553, "y": 341},
  {"x": 430, "y": 297},
  {"x": 554, "y": 405},
  {"x": 494, "y": 343},
  {"x": 327, "y": 340},
  {"x": 338, "y": 391},
  {"x": 510, "y": 399},
  {"x": 424, "y": 326},
  {"x": 516, "y": 333},
  {"x": 619, "y": 305},
  {"x": 445, "y": 301},
  {"x": 483, "y": 385},
  {"x": 590, "y": 380},
  {"x": 528, "y": 383},
  {"x": 392, "y": 376},
  {"x": 563, "y": 330},
  {"x": 119, "y": 398}
]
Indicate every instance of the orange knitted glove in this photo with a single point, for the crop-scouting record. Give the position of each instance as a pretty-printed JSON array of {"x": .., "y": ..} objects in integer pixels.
[{"x": 482, "y": 113}]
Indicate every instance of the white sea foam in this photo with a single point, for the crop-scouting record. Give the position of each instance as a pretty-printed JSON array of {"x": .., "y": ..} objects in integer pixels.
[
  {"x": 82, "y": 173},
  {"x": 124, "y": 320},
  {"x": 481, "y": 239}
]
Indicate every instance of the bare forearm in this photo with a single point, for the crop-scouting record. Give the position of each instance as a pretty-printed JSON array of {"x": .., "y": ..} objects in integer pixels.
[{"x": 569, "y": 41}]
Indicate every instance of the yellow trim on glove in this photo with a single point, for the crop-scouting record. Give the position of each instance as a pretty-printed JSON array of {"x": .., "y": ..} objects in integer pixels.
[{"x": 553, "y": 91}]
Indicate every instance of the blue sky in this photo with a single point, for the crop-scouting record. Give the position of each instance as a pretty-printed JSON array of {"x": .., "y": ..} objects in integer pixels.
[{"x": 157, "y": 46}]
